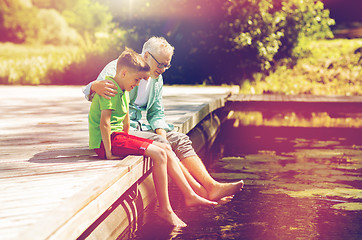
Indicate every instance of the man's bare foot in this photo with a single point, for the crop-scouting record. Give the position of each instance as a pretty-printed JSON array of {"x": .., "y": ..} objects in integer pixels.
[
  {"x": 225, "y": 200},
  {"x": 171, "y": 218},
  {"x": 196, "y": 200},
  {"x": 225, "y": 189},
  {"x": 201, "y": 191}
]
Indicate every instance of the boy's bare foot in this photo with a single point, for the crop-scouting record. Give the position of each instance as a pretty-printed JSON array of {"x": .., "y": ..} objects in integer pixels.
[
  {"x": 225, "y": 189},
  {"x": 196, "y": 200},
  {"x": 171, "y": 218}
]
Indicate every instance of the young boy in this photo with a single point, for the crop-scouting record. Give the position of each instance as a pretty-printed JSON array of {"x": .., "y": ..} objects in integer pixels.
[{"x": 108, "y": 136}]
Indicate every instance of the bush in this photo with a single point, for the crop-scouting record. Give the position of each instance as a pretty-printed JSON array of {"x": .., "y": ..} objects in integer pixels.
[
  {"x": 267, "y": 30},
  {"x": 53, "y": 29},
  {"x": 67, "y": 23},
  {"x": 17, "y": 21}
]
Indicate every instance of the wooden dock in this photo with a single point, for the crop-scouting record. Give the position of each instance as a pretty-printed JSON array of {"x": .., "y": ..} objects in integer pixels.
[
  {"x": 53, "y": 187},
  {"x": 295, "y": 103}
]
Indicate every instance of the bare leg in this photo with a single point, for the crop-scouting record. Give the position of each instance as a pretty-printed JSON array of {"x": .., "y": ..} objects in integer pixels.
[
  {"x": 216, "y": 190},
  {"x": 174, "y": 170},
  {"x": 159, "y": 173},
  {"x": 196, "y": 186}
]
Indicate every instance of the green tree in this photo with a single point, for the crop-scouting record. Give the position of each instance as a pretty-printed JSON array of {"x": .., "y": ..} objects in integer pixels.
[
  {"x": 55, "y": 22},
  {"x": 274, "y": 29},
  {"x": 86, "y": 16},
  {"x": 220, "y": 41},
  {"x": 17, "y": 21},
  {"x": 53, "y": 29}
]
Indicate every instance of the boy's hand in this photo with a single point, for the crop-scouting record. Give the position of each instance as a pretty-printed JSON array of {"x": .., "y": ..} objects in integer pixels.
[
  {"x": 104, "y": 88},
  {"x": 112, "y": 157}
]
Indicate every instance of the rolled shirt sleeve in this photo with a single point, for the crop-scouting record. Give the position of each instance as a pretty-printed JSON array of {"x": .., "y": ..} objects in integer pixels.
[{"x": 108, "y": 70}]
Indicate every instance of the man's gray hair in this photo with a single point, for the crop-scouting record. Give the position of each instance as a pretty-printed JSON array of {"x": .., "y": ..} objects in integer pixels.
[{"x": 156, "y": 45}]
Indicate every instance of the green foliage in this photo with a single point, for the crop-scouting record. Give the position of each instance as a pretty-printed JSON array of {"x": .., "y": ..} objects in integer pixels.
[
  {"x": 48, "y": 64},
  {"x": 333, "y": 67},
  {"x": 305, "y": 20},
  {"x": 88, "y": 17},
  {"x": 53, "y": 29},
  {"x": 266, "y": 30},
  {"x": 22, "y": 64},
  {"x": 218, "y": 41},
  {"x": 53, "y": 22},
  {"x": 17, "y": 21}
]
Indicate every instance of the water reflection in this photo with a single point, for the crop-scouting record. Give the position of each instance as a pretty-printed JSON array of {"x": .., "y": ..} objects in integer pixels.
[
  {"x": 305, "y": 187},
  {"x": 300, "y": 183},
  {"x": 301, "y": 119}
]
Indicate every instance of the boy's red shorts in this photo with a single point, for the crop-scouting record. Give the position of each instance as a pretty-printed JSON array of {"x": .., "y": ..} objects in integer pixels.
[{"x": 124, "y": 144}]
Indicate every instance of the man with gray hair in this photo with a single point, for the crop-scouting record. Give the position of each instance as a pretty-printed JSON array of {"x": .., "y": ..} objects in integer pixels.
[{"x": 148, "y": 97}]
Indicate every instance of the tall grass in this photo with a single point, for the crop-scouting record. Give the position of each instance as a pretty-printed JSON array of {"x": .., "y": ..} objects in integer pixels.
[
  {"x": 22, "y": 64},
  {"x": 46, "y": 64}
]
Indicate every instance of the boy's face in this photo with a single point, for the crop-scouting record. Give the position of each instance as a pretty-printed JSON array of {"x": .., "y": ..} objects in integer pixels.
[{"x": 133, "y": 78}]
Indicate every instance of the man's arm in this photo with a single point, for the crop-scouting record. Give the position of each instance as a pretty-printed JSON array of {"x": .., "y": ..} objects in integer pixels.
[
  {"x": 105, "y": 127},
  {"x": 104, "y": 88},
  {"x": 161, "y": 131}
]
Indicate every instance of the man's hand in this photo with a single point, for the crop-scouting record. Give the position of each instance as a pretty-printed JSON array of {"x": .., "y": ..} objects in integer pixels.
[{"x": 104, "y": 88}]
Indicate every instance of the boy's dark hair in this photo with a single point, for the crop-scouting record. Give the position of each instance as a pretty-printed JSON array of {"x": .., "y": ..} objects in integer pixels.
[{"x": 133, "y": 60}]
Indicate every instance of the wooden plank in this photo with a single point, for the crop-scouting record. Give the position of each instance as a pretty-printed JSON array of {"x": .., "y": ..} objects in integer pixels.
[
  {"x": 297, "y": 103},
  {"x": 294, "y": 98},
  {"x": 125, "y": 213},
  {"x": 72, "y": 218}
]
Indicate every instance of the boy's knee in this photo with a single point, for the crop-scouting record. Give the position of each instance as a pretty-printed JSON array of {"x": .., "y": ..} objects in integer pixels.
[
  {"x": 161, "y": 155},
  {"x": 166, "y": 147}
]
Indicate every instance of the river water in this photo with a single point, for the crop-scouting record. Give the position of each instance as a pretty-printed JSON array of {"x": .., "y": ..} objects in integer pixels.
[{"x": 300, "y": 183}]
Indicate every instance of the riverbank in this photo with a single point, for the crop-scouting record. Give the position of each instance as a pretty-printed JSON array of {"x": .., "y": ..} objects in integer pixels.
[{"x": 328, "y": 67}]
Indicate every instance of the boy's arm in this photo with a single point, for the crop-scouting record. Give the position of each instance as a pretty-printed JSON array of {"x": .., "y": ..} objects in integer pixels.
[
  {"x": 105, "y": 127},
  {"x": 126, "y": 123}
]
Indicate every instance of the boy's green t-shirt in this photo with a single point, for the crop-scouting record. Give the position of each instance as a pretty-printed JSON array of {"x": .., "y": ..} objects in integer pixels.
[{"x": 119, "y": 105}]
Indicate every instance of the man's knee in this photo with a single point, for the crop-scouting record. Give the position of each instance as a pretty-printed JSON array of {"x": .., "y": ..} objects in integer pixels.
[
  {"x": 159, "y": 138},
  {"x": 178, "y": 138},
  {"x": 181, "y": 144}
]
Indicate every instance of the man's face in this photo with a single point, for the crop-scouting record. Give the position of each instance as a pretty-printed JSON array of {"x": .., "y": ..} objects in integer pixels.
[
  {"x": 133, "y": 79},
  {"x": 155, "y": 60}
]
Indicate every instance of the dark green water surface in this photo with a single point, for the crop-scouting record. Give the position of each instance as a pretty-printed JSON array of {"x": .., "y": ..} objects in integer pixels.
[{"x": 300, "y": 183}]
